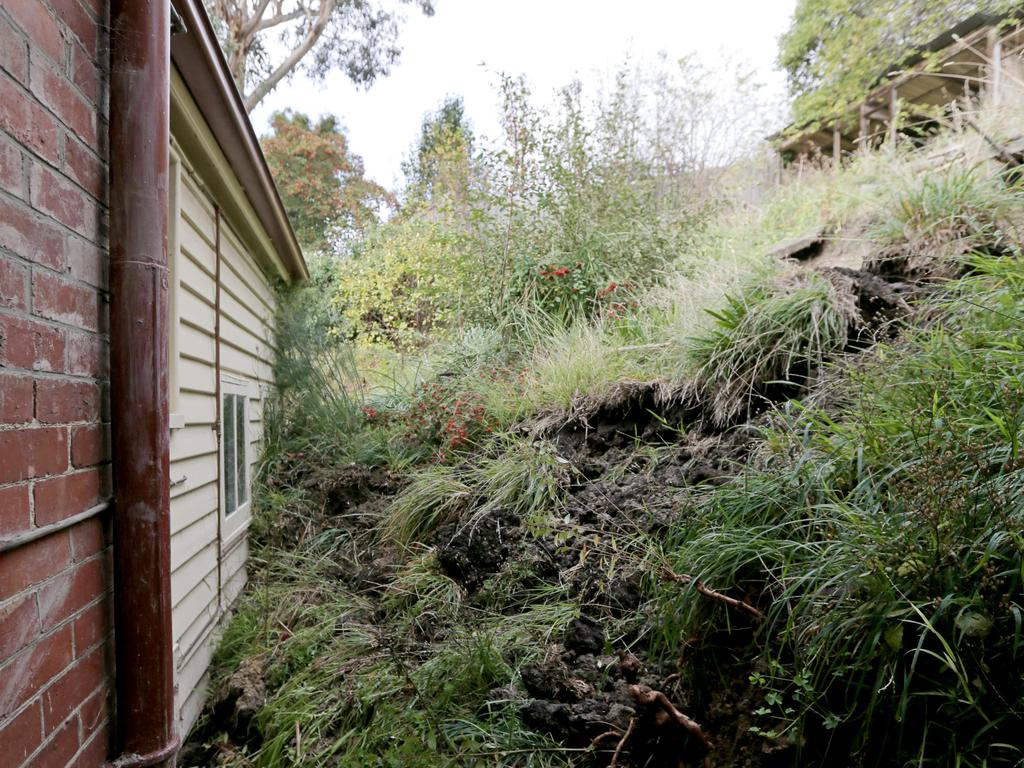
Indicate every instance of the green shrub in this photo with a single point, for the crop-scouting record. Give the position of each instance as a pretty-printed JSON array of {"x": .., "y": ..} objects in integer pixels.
[{"x": 412, "y": 279}]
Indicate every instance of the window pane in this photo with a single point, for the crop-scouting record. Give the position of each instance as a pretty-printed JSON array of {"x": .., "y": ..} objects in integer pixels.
[
  {"x": 243, "y": 487},
  {"x": 229, "y": 436}
]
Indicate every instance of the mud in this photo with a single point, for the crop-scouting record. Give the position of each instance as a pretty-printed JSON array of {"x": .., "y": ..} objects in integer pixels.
[
  {"x": 470, "y": 551},
  {"x": 350, "y": 496},
  {"x": 639, "y": 458}
]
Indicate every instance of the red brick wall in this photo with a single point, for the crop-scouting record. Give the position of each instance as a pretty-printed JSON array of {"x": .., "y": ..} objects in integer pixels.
[{"x": 55, "y": 632}]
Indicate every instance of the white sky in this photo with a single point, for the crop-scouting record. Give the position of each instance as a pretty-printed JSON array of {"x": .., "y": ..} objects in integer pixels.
[{"x": 550, "y": 41}]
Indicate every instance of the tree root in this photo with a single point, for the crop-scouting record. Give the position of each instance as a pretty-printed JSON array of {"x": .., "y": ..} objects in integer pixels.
[
  {"x": 622, "y": 742},
  {"x": 604, "y": 736},
  {"x": 704, "y": 589},
  {"x": 667, "y": 713}
]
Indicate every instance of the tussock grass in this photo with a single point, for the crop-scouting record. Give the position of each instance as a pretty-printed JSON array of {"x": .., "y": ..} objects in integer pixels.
[
  {"x": 777, "y": 332},
  {"x": 436, "y": 495},
  {"x": 939, "y": 219},
  {"x": 521, "y": 477},
  {"x": 884, "y": 544},
  {"x": 419, "y": 589}
]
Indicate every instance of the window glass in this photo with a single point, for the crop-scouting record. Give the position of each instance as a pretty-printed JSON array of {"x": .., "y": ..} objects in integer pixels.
[
  {"x": 230, "y": 441},
  {"x": 235, "y": 468},
  {"x": 242, "y": 486}
]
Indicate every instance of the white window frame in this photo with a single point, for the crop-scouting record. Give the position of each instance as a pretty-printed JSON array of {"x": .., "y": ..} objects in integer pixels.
[
  {"x": 238, "y": 518},
  {"x": 174, "y": 224}
]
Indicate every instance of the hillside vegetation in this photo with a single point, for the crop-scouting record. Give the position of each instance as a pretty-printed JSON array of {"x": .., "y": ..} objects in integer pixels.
[{"x": 646, "y": 494}]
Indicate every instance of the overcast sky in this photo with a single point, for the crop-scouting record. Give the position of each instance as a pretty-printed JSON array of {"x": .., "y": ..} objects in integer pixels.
[{"x": 459, "y": 50}]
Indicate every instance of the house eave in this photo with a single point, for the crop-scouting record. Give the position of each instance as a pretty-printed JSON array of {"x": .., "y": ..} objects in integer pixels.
[{"x": 198, "y": 59}]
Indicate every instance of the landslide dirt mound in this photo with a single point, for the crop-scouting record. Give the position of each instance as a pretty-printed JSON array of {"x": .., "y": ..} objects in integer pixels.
[
  {"x": 350, "y": 497},
  {"x": 627, "y": 711},
  {"x": 638, "y": 459}
]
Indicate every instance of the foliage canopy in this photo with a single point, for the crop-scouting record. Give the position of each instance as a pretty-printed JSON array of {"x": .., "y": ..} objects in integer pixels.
[
  {"x": 268, "y": 40},
  {"x": 320, "y": 180},
  {"x": 835, "y": 50}
]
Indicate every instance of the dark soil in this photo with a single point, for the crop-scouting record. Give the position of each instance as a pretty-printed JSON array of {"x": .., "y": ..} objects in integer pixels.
[
  {"x": 638, "y": 461},
  {"x": 470, "y": 551}
]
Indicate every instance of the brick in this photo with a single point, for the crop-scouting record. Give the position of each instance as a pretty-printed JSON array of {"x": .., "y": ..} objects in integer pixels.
[
  {"x": 22, "y": 735},
  {"x": 88, "y": 538},
  {"x": 58, "y": 299},
  {"x": 61, "y": 747},
  {"x": 32, "y": 563},
  {"x": 39, "y": 25},
  {"x": 70, "y": 592},
  {"x": 69, "y": 692},
  {"x": 88, "y": 445},
  {"x": 85, "y": 75},
  {"x": 27, "y": 121},
  {"x": 61, "y": 497},
  {"x": 14, "y": 514},
  {"x": 28, "y": 453},
  {"x": 31, "y": 669},
  {"x": 13, "y": 281},
  {"x": 97, "y": 748},
  {"x": 15, "y": 399},
  {"x": 58, "y": 197},
  {"x": 59, "y": 401},
  {"x": 13, "y": 52},
  {"x": 12, "y": 176},
  {"x": 79, "y": 22},
  {"x": 91, "y": 627},
  {"x": 31, "y": 237},
  {"x": 87, "y": 355},
  {"x": 86, "y": 262},
  {"x": 85, "y": 167},
  {"x": 95, "y": 711},
  {"x": 30, "y": 344},
  {"x": 106, "y": 481},
  {"x": 19, "y": 626},
  {"x": 53, "y": 89}
]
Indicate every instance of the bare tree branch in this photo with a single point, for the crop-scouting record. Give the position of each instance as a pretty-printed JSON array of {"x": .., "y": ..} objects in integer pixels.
[
  {"x": 293, "y": 59},
  {"x": 252, "y": 23},
  {"x": 282, "y": 18}
]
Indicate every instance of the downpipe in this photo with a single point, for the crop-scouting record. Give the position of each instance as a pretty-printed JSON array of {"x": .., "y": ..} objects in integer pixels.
[{"x": 139, "y": 166}]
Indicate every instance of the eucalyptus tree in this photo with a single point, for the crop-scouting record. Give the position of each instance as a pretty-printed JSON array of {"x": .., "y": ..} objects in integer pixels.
[{"x": 268, "y": 40}]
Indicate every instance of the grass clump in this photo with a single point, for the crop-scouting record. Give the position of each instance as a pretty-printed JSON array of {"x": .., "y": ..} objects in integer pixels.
[
  {"x": 938, "y": 219},
  {"x": 520, "y": 477},
  {"x": 777, "y": 332},
  {"x": 883, "y": 543}
]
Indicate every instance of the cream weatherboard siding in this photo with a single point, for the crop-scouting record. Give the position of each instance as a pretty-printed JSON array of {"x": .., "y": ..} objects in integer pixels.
[{"x": 208, "y": 546}]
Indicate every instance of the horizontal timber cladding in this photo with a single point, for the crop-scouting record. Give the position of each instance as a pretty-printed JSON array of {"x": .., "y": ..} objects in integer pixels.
[{"x": 208, "y": 547}]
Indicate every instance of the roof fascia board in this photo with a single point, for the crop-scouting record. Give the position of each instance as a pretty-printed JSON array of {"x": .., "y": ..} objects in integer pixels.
[
  {"x": 204, "y": 72},
  {"x": 203, "y": 154}
]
